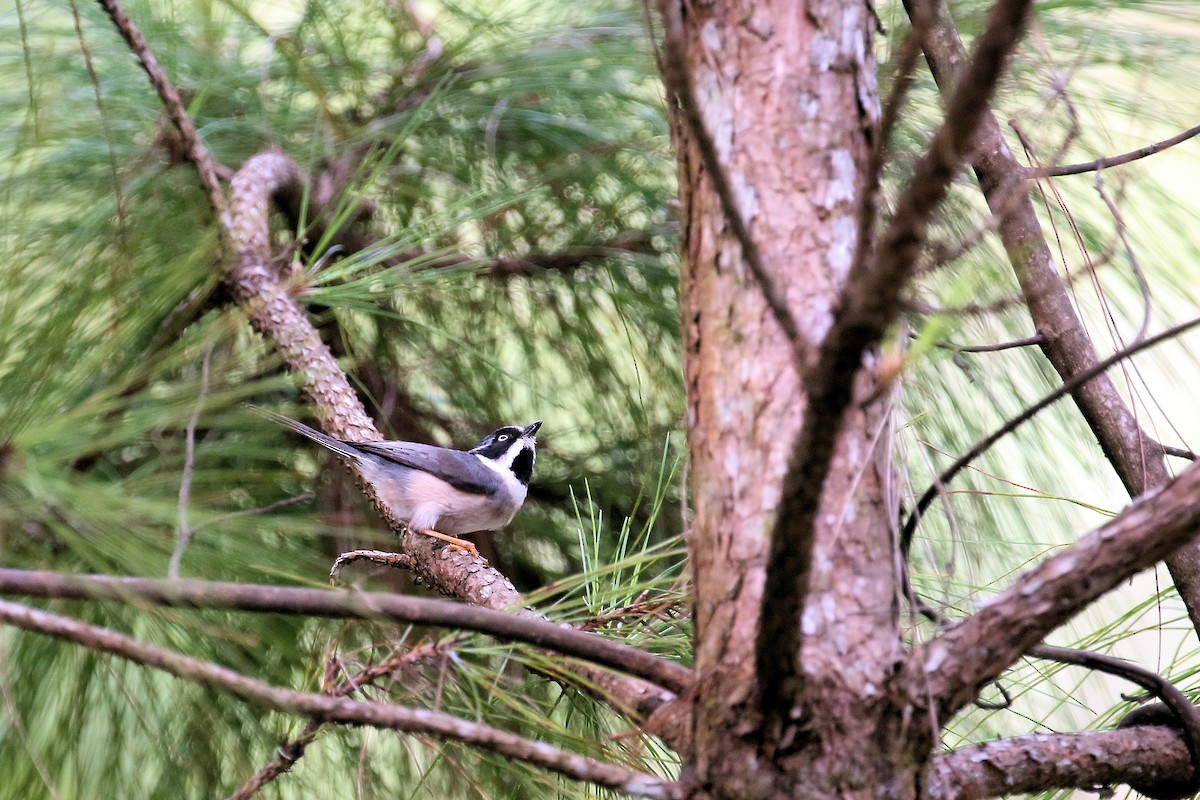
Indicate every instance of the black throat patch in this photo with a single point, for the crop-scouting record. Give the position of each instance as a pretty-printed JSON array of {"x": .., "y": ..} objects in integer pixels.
[{"x": 522, "y": 466}]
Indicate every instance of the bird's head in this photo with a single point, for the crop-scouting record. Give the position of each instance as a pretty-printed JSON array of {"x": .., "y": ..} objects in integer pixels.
[{"x": 512, "y": 447}]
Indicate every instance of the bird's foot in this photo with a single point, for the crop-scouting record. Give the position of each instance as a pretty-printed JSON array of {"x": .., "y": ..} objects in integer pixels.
[{"x": 455, "y": 544}]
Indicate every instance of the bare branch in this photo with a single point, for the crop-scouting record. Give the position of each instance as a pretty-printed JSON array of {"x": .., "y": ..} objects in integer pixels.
[
  {"x": 206, "y": 165},
  {"x": 1113, "y": 161},
  {"x": 956, "y": 664},
  {"x": 1179, "y": 452},
  {"x": 868, "y": 305},
  {"x": 335, "y": 709},
  {"x": 365, "y": 605},
  {"x": 1036, "y": 763},
  {"x": 1028, "y": 341}
]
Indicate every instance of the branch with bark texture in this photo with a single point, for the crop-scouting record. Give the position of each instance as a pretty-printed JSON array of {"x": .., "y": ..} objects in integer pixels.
[
  {"x": 336, "y": 709},
  {"x": 1036, "y": 763},
  {"x": 869, "y": 303},
  {"x": 1136, "y": 457},
  {"x": 954, "y": 666},
  {"x": 194, "y": 594}
]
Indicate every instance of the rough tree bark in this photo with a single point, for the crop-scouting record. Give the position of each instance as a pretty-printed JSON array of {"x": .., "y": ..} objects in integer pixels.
[{"x": 787, "y": 102}]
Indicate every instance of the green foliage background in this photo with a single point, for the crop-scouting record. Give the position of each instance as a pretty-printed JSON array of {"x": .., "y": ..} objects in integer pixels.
[{"x": 503, "y": 130}]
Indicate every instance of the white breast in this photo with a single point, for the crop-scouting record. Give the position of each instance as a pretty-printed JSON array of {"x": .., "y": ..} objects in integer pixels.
[{"x": 429, "y": 503}]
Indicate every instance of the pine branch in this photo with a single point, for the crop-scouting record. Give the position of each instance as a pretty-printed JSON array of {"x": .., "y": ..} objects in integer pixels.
[
  {"x": 336, "y": 709},
  {"x": 195, "y": 594},
  {"x": 1044, "y": 761}
]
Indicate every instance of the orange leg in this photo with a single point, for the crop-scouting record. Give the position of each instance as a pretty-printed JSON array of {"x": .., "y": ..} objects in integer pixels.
[{"x": 456, "y": 544}]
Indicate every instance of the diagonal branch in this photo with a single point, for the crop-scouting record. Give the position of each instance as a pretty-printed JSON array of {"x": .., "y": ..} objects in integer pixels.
[
  {"x": 868, "y": 305},
  {"x": 195, "y": 594},
  {"x": 336, "y": 709},
  {"x": 1136, "y": 457},
  {"x": 954, "y": 666}
]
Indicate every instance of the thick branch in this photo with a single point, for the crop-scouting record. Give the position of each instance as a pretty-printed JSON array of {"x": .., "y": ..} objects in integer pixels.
[
  {"x": 336, "y": 709},
  {"x": 868, "y": 305},
  {"x": 953, "y": 667},
  {"x": 1136, "y": 457},
  {"x": 1036, "y": 763},
  {"x": 366, "y": 605}
]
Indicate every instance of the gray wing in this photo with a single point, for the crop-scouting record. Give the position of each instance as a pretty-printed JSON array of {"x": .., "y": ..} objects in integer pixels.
[{"x": 461, "y": 470}]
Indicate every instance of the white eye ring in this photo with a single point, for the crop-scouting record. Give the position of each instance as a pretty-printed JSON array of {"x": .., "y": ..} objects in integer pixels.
[{"x": 502, "y": 437}]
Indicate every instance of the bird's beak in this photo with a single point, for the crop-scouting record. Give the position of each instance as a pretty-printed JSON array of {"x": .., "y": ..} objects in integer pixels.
[{"x": 531, "y": 428}]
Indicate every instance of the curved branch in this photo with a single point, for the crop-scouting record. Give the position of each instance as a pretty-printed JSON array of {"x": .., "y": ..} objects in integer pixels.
[
  {"x": 365, "y": 605},
  {"x": 336, "y": 709},
  {"x": 983, "y": 445}
]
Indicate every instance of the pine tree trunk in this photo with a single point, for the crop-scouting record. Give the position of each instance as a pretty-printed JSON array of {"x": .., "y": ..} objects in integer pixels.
[{"x": 786, "y": 93}]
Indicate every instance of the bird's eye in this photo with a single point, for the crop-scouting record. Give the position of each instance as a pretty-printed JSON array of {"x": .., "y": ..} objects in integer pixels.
[{"x": 502, "y": 437}]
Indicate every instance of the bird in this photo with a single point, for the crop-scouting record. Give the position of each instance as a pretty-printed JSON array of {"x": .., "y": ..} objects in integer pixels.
[{"x": 438, "y": 491}]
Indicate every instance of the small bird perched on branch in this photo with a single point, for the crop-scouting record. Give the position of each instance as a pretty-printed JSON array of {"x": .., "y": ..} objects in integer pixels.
[{"x": 438, "y": 491}]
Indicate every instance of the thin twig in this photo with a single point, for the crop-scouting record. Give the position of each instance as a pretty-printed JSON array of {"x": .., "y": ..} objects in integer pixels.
[
  {"x": 1028, "y": 341},
  {"x": 321, "y": 706},
  {"x": 253, "y": 512},
  {"x": 292, "y": 750},
  {"x": 1134, "y": 265},
  {"x": 984, "y": 444},
  {"x": 356, "y": 604},
  {"x": 184, "y": 534},
  {"x": 1179, "y": 452},
  {"x": 1112, "y": 161}
]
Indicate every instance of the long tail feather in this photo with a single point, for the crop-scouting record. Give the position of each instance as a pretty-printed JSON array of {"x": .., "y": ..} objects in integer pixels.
[{"x": 328, "y": 442}]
